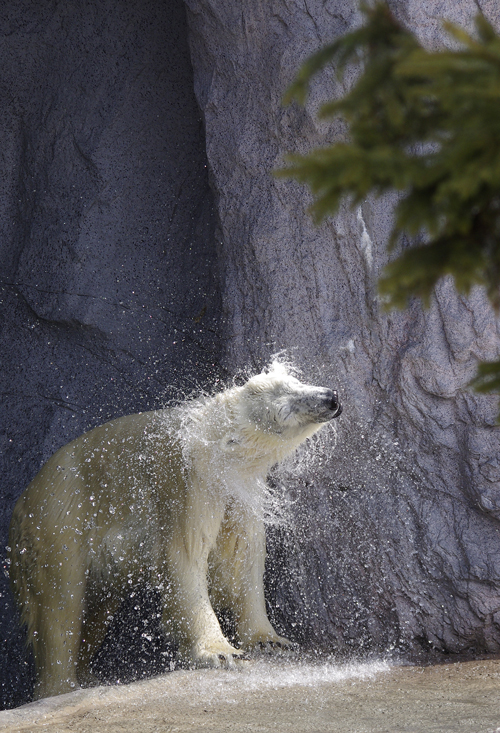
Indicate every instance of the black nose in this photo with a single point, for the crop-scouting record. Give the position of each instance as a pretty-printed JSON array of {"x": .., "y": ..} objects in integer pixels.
[{"x": 335, "y": 404}]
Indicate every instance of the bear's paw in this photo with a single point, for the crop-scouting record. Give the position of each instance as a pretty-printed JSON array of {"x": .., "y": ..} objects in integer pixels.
[
  {"x": 268, "y": 643},
  {"x": 215, "y": 655}
]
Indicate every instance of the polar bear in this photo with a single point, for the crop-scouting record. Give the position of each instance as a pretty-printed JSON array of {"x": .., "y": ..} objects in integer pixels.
[{"x": 168, "y": 498}]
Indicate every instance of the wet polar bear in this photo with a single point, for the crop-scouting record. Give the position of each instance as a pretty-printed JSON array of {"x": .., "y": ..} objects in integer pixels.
[{"x": 165, "y": 497}]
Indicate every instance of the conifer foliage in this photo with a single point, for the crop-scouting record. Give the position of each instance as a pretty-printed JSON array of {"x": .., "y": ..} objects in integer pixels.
[{"x": 426, "y": 124}]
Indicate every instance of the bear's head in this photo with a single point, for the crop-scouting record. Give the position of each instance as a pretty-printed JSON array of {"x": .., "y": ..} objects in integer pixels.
[
  {"x": 275, "y": 412},
  {"x": 277, "y": 402},
  {"x": 246, "y": 429}
]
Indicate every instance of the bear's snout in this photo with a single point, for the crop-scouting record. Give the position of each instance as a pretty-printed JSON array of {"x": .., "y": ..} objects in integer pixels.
[{"x": 322, "y": 404}]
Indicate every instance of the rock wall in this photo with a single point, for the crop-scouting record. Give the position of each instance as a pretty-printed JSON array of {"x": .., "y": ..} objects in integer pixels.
[
  {"x": 109, "y": 283},
  {"x": 395, "y": 539}
]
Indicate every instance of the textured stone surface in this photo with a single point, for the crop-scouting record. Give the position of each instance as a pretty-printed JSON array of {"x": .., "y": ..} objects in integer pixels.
[
  {"x": 266, "y": 696},
  {"x": 396, "y": 532},
  {"x": 109, "y": 288}
]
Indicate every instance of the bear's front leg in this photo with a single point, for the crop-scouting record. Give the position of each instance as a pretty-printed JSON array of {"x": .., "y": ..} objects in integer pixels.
[
  {"x": 238, "y": 579},
  {"x": 187, "y": 609}
]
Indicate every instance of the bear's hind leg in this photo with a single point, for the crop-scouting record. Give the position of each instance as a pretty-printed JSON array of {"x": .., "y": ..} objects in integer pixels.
[{"x": 56, "y": 642}]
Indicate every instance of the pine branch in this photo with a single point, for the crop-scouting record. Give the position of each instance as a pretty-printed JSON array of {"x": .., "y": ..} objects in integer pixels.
[{"x": 425, "y": 124}]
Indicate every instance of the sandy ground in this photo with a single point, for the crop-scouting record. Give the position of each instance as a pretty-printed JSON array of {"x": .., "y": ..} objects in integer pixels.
[{"x": 283, "y": 697}]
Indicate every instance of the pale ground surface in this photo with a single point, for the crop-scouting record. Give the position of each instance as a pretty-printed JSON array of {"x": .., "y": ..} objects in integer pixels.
[{"x": 282, "y": 696}]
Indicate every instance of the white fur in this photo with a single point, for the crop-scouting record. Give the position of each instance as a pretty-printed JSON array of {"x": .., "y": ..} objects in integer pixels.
[{"x": 172, "y": 498}]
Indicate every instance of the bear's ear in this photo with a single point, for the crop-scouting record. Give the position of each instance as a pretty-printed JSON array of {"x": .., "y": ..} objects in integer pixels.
[{"x": 228, "y": 443}]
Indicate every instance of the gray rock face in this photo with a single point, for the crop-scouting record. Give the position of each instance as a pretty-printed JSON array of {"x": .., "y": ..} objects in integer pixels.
[
  {"x": 395, "y": 538},
  {"x": 111, "y": 303},
  {"x": 109, "y": 283}
]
